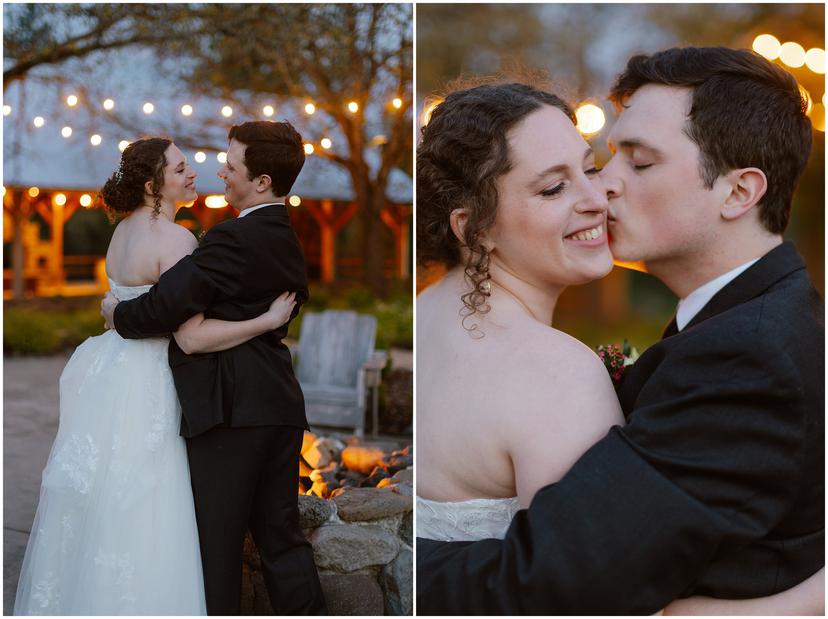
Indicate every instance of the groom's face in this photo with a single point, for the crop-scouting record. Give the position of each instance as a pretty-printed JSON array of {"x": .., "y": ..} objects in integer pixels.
[
  {"x": 239, "y": 190},
  {"x": 660, "y": 212}
]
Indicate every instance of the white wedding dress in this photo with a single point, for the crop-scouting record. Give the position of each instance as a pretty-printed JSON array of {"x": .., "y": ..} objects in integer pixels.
[
  {"x": 465, "y": 521},
  {"x": 115, "y": 530}
]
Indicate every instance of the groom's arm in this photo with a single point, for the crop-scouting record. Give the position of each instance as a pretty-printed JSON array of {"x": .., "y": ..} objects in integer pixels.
[
  {"x": 707, "y": 461},
  {"x": 211, "y": 273}
]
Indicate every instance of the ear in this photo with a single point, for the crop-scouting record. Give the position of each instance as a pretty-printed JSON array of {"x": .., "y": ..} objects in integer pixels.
[
  {"x": 148, "y": 188},
  {"x": 265, "y": 183},
  {"x": 747, "y": 187},
  {"x": 458, "y": 219}
]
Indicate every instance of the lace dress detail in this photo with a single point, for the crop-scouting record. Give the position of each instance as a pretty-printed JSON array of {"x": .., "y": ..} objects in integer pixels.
[
  {"x": 115, "y": 530},
  {"x": 465, "y": 521}
]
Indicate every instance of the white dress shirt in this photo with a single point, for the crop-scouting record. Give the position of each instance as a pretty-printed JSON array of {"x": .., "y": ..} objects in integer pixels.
[
  {"x": 692, "y": 304},
  {"x": 250, "y": 209}
]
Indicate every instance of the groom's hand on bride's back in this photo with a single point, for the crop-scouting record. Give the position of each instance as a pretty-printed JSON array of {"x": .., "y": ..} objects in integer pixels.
[
  {"x": 281, "y": 310},
  {"x": 108, "y": 304}
]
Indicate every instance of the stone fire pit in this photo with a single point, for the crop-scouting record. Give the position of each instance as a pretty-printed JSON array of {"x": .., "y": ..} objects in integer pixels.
[{"x": 355, "y": 506}]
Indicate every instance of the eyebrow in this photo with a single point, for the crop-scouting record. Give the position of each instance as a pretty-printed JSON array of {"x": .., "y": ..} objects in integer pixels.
[
  {"x": 561, "y": 166},
  {"x": 638, "y": 143}
]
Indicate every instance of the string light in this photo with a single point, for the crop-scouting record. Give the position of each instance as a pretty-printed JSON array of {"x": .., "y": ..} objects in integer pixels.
[
  {"x": 200, "y": 157},
  {"x": 227, "y": 111},
  {"x": 268, "y": 110},
  {"x": 310, "y": 108},
  {"x": 186, "y": 109},
  {"x": 34, "y": 192},
  {"x": 222, "y": 157},
  {"x": 66, "y": 131},
  {"x": 86, "y": 200},
  {"x": 6, "y": 110},
  {"x": 308, "y": 149},
  {"x": 590, "y": 119},
  {"x": 792, "y": 54},
  {"x": 122, "y": 145},
  {"x": 397, "y": 103},
  {"x": 767, "y": 45},
  {"x": 95, "y": 140},
  {"x": 815, "y": 59},
  {"x": 353, "y": 107},
  {"x": 108, "y": 104},
  {"x": 38, "y": 121},
  {"x": 72, "y": 100},
  {"x": 59, "y": 199},
  {"x": 325, "y": 143},
  {"x": 294, "y": 200},
  {"x": 149, "y": 108}
]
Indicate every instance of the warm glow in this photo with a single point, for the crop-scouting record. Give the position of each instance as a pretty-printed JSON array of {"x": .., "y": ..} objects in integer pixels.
[
  {"x": 807, "y": 96},
  {"x": 34, "y": 192},
  {"x": 186, "y": 110},
  {"x": 6, "y": 110},
  {"x": 66, "y": 131},
  {"x": 215, "y": 201},
  {"x": 308, "y": 149},
  {"x": 397, "y": 103},
  {"x": 108, "y": 104},
  {"x": 95, "y": 140},
  {"x": 122, "y": 145},
  {"x": 325, "y": 143},
  {"x": 38, "y": 121},
  {"x": 792, "y": 54},
  {"x": 590, "y": 119},
  {"x": 429, "y": 109},
  {"x": 818, "y": 117},
  {"x": 86, "y": 200},
  {"x": 149, "y": 108},
  {"x": 767, "y": 45},
  {"x": 310, "y": 108},
  {"x": 227, "y": 111},
  {"x": 268, "y": 111},
  {"x": 353, "y": 107},
  {"x": 59, "y": 199},
  {"x": 72, "y": 100},
  {"x": 4, "y": 192},
  {"x": 815, "y": 59},
  {"x": 222, "y": 157},
  {"x": 200, "y": 157},
  {"x": 294, "y": 200}
]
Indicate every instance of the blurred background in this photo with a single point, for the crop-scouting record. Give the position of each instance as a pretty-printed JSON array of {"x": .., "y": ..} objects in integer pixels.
[{"x": 581, "y": 48}]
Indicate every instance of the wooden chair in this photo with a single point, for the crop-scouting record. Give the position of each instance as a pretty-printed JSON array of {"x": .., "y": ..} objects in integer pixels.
[{"x": 336, "y": 366}]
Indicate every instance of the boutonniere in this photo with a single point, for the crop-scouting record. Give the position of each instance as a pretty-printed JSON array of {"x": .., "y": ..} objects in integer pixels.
[{"x": 616, "y": 359}]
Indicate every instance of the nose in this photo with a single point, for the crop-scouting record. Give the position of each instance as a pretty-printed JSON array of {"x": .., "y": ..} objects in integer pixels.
[
  {"x": 221, "y": 173},
  {"x": 611, "y": 179},
  {"x": 594, "y": 199}
]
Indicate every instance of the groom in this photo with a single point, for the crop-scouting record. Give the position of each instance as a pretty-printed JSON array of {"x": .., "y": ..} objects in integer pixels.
[
  {"x": 243, "y": 414},
  {"x": 715, "y": 486}
]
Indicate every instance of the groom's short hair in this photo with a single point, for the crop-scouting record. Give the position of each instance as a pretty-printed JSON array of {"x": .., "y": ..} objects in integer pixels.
[
  {"x": 272, "y": 148},
  {"x": 746, "y": 112}
]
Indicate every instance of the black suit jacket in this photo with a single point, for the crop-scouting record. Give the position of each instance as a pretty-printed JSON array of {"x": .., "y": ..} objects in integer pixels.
[
  {"x": 239, "y": 268},
  {"x": 715, "y": 486}
]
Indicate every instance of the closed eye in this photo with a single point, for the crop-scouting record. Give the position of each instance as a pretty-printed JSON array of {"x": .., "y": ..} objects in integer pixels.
[
  {"x": 553, "y": 191},
  {"x": 593, "y": 170}
]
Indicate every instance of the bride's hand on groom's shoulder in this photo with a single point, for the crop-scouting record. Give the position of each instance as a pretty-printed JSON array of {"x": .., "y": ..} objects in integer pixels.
[
  {"x": 281, "y": 309},
  {"x": 108, "y": 304}
]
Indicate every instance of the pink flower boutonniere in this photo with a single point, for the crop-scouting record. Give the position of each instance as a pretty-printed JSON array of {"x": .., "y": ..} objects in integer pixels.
[{"x": 616, "y": 359}]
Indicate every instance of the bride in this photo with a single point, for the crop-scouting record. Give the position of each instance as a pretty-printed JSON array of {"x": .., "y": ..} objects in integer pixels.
[
  {"x": 510, "y": 202},
  {"x": 115, "y": 529}
]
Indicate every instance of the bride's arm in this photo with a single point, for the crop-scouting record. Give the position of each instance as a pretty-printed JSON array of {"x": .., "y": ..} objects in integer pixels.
[
  {"x": 806, "y": 598},
  {"x": 200, "y": 335}
]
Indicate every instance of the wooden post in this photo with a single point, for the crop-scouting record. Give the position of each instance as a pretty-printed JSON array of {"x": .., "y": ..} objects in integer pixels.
[
  {"x": 396, "y": 218},
  {"x": 19, "y": 212},
  {"x": 328, "y": 239}
]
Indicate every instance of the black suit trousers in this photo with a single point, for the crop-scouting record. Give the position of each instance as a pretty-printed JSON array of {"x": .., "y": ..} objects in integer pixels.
[{"x": 247, "y": 478}]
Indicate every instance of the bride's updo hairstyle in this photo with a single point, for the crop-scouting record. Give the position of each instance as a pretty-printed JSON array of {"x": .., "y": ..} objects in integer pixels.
[
  {"x": 141, "y": 161},
  {"x": 462, "y": 152}
]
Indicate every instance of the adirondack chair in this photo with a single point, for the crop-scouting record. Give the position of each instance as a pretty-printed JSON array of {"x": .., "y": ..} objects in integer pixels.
[{"x": 337, "y": 364}]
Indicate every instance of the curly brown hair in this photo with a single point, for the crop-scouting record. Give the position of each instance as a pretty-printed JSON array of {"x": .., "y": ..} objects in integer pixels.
[
  {"x": 463, "y": 151},
  {"x": 142, "y": 161}
]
